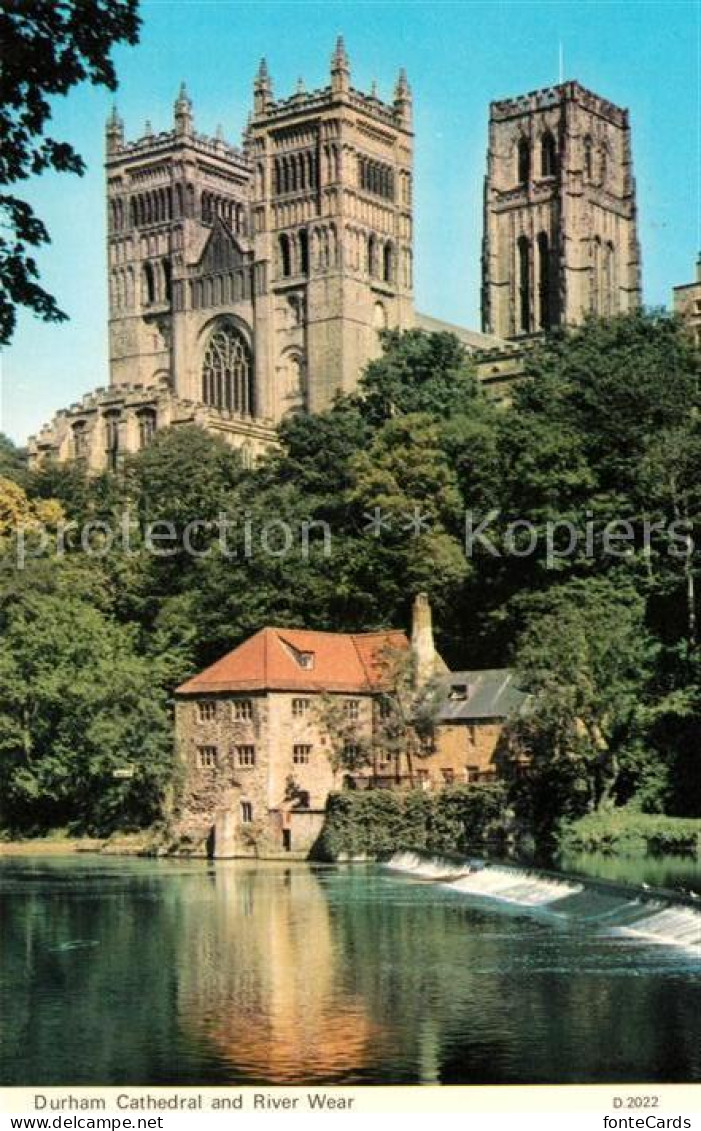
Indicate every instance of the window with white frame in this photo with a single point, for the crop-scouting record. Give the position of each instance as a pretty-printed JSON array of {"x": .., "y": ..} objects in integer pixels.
[
  {"x": 300, "y": 707},
  {"x": 246, "y": 755},
  {"x": 246, "y": 812},
  {"x": 301, "y": 753},
  {"x": 207, "y": 710},
  {"x": 242, "y": 710},
  {"x": 207, "y": 757},
  {"x": 352, "y": 708}
]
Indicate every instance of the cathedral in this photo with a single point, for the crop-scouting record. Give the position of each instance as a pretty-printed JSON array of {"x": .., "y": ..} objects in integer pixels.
[{"x": 248, "y": 283}]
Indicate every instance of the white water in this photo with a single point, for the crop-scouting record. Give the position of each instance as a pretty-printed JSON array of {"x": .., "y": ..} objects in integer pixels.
[{"x": 659, "y": 921}]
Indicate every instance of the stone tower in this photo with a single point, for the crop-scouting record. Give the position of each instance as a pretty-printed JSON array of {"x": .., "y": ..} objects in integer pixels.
[
  {"x": 166, "y": 195},
  {"x": 331, "y": 230},
  {"x": 560, "y": 236}
]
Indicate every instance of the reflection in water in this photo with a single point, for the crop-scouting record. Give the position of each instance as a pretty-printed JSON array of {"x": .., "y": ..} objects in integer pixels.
[
  {"x": 260, "y": 977},
  {"x": 173, "y": 972}
]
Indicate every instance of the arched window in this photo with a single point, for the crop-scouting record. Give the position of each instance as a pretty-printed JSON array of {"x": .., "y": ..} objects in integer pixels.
[
  {"x": 303, "y": 251},
  {"x": 148, "y": 291},
  {"x": 524, "y": 285},
  {"x": 80, "y": 439},
  {"x": 380, "y": 317},
  {"x": 544, "y": 282},
  {"x": 111, "y": 420},
  {"x": 285, "y": 255},
  {"x": 610, "y": 282},
  {"x": 524, "y": 161},
  {"x": 588, "y": 161},
  {"x": 372, "y": 257},
  {"x": 548, "y": 155},
  {"x": 388, "y": 263},
  {"x": 167, "y": 280},
  {"x": 147, "y": 426},
  {"x": 227, "y": 372}
]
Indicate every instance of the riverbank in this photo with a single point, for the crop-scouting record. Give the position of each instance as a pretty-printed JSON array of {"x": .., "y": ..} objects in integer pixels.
[
  {"x": 622, "y": 832},
  {"x": 126, "y": 844}
]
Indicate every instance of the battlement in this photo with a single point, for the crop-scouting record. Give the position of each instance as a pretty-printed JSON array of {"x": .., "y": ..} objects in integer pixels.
[
  {"x": 151, "y": 145},
  {"x": 548, "y": 97},
  {"x": 304, "y": 102}
]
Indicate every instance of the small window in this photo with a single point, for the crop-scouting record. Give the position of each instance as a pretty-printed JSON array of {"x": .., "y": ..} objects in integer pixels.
[
  {"x": 384, "y": 758},
  {"x": 384, "y": 709},
  {"x": 523, "y": 160},
  {"x": 448, "y": 775},
  {"x": 246, "y": 812},
  {"x": 459, "y": 691},
  {"x": 306, "y": 660},
  {"x": 472, "y": 773},
  {"x": 422, "y": 775},
  {"x": 206, "y": 757},
  {"x": 207, "y": 711},
  {"x": 300, "y": 707},
  {"x": 242, "y": 710},
  {"x": 351, "y": 751},
  {"x": 246, "y": 755},
  {"x": 548, "y": 156},
  {"x": 301, "y": 754},
  {"x": 352, "y": 708}
]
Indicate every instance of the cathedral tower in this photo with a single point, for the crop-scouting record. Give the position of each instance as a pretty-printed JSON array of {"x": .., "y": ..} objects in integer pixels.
[
  {"x": 332, "y": 232},
  {"x": 560, "y": 238}
]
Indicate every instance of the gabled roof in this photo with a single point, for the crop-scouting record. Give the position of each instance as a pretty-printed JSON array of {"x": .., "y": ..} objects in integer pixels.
[
  {"x": 271, "y": 660},
  {"x": 490, "y": 694}
]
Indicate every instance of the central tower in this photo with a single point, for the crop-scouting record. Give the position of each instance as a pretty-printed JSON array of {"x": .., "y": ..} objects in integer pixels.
[
  {"x": 331, "y": 215},
  {"x": 560, "y": 226}
]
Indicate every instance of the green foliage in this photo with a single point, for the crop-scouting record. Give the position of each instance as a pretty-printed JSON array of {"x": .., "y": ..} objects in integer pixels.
[
  {"x": 48, "y": 48},
  {"x": 628, "y": 833},
  {"x": 606, "y": 426},
  {"x": 378, "y": 822}
]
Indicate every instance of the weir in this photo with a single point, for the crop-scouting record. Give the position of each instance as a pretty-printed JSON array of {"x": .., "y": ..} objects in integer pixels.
[{"x": 658, "y": 916}]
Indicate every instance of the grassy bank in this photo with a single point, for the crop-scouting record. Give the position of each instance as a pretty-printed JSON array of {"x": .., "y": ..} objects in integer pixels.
[
  {"x": 625, "y": 833},
  {"x": 377, "y": 822},
  {"x": 124, "y": 844}
]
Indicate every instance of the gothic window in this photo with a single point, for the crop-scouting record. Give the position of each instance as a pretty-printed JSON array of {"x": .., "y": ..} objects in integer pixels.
[
  {"x": 227, "y": 372},
  {"x": 112, "y": 440},
  {"x": 167, "y": 280},
  {"x": 380, "y": 317},
  {"x": 609, "y": 281},
  {"x": 588, "y": 163},
  {"x": 285, "y": 256},
  {"x": 544, "y": 282},
  {"x": 524, "y": 285},
  {"x": 304, "y": 252},
  {"x": 548, "y": 155},
  {"x": 388, "y": 264},
  {"x": 148, "y": 293},
  {"x": 80, "y": 439},
  {"x": 596, "y": 276},
  {"x": 372, "y": 257},
  {"x": 524, "y": 161},
  {"x": 147, "y": 426},
  {"x": 603, "y": 164}
]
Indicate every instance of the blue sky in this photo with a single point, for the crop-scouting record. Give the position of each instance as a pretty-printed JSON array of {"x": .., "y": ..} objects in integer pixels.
[{"x": 459, "y": 55}]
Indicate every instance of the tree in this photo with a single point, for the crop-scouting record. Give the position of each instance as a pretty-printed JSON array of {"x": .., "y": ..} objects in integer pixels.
[
  {"x": 49, "y": 46},
  {"x": 78, "y": 707},
  {"x": 587, "y": 660}
]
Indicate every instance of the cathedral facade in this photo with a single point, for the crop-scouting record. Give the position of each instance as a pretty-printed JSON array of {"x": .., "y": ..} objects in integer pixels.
[{"x": 248, "y": 283}]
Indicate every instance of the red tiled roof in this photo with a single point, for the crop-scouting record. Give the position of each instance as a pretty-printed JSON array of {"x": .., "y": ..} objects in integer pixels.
[{"x": 270, "y": 661}]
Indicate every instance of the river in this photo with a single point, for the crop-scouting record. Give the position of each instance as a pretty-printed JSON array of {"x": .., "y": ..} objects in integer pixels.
[{"x": 129, "y": 971}]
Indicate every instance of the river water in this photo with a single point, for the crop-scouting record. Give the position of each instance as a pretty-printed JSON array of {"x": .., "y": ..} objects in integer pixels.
[{"x": 124, "y": 971}]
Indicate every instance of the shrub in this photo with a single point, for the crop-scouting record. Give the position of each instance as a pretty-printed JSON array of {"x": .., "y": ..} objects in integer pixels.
[
  {"x": 624, "y": 832},
  {"x": 379, "y": 822}
]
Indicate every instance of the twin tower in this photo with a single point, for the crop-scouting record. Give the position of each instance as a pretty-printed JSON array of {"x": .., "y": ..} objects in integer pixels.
[{"x": 246, "y": 283}]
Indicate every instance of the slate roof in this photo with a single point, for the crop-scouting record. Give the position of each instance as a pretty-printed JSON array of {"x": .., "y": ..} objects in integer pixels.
[
  {"x": 271, "y": 660},
  {"x": 473, "y": 339},
  {"x": 491, "y": 694}
]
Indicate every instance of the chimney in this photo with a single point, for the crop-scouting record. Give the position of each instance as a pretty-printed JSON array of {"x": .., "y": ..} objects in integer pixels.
[{"x": 422, "y": 646}]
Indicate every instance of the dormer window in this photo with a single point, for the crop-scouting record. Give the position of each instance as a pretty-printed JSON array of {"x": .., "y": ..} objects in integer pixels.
[
  {"x": 306, "y": 660},
  {"x": 459, "y": 691}
]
